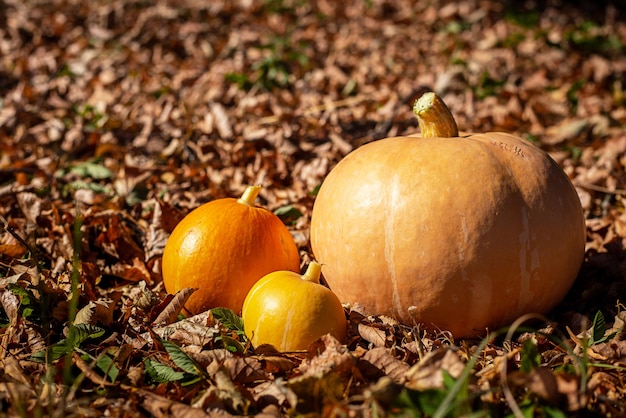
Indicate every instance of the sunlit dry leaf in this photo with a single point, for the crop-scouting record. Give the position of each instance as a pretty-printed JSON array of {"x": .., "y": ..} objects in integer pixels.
[
  {"x": 224, "y": 392},
  {"x": 383, "y": 391},
  {"x": 16, "y": 392},
  {"x": 10, "y": 304},
  {"x": 16, "y": 384},
  {"x": 13, "y": 250},
  {"x": 382, "y": 360},
  {"x": 581, "y": 345},
  {"x": 619, "y": 325},
  {"x": 210, "y": 358},
  {"x": 565, "y": 131},
  {"x": 188, "y": 332},
  {"x": 86, "y": 314},
  {"x": 557, "y": 388},
  {"x": 222, "y": 122},
  {"x": 89, "y": 193},
  {"x": 540, "y": 381},
  {"x": 275, "y": 392},
  {"x": 135, "y": 375},
  {"x": 373, "y": 334},
  {"x": 240, "y": 369},
  {"x": 428, "y": 373},
  {"x": 177, "y": 107},
  {"x": 14, "y": 371},
  {"x": 143, "y": 296},
  {"x": 162, "y": 407},
  {"x": 96, "y": 312},
  {"x": 325, "y": 355},
  {"x": 614, "y": 350},
  {"x": 169, "y": 313},
  {"x": 13, "y": 279},
  {"x": 158, "y": 230},
  {"x": 203, "y": 318},
  {"x": 115, "y": 236},
  {"x": 605, "y": 385},
  {"x": 312, "y": 390},
  {"x": 277, "y": 365},
  {"x": 125, "y": 184},
  {"x": 35, "y": 340},
  {"x": 134, "y": 273},
  {"x": 30, "y": 204},
  {"x": 341, "y": 144}
]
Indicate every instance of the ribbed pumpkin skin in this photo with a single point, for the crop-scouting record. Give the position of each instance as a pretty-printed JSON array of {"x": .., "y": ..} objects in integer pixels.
[
  {"x": 456, "y": 233},
  {"x": 222, "y": 248},
  {"x": 289, "y": 312}
]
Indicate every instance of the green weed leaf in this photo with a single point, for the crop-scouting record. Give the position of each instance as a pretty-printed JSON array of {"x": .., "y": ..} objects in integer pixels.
[
  {"x": 91, "y": 169},
  {"x": 181, "y": 359},
  {"x": 231, "y": 344},
  {"x": 234, "y": 323},
  {"x": 228, "y": 318},
  {"x": 52, "y": 353},
  {"x": 162, "y": 373},
  {"x": 419, "y": 403},
  {"x": 84, "y": 185},
  {"x": 76, "y": 336},
  {"x": 530, "y": 408},
  {"x": 81, "y": 332},
  {"x": 599, "y": 328},
  {"x": 26, "y": 297},
  {"x": 530, "y": 356},
  {"x": 108, "y": 367},
  {"x": 288, "y": 214}
]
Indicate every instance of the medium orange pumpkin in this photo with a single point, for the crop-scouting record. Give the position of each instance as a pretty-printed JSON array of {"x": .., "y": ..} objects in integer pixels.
[
  {"x": 222, "y": 248},
  {"x": 290, "y": 311},
  {"x": 456, "y": 233}
]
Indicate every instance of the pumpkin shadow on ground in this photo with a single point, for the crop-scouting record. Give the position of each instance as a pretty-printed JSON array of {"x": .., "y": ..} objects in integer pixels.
[{"x": 598, "y": 287}]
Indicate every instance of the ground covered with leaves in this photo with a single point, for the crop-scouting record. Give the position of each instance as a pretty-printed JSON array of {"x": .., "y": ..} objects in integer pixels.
[{"x": 119, "y": 117}]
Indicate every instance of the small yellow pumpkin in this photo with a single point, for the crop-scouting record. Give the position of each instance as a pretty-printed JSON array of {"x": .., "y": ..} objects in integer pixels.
[
  {"x": 222, "y": 248},
  {"x": 460, "y": 233},
  {"x": 290, "y": 311}
]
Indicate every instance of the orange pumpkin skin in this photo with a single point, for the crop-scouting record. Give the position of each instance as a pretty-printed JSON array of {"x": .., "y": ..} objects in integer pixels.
[
  {"x": 222, "y": 248},
  {"x": 460, "y": 234},
  {"x": 290, "y": 311}
]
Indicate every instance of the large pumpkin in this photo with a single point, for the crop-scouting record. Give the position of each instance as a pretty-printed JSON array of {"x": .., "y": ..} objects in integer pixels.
[
  {"x": 222, "y": 248},
  {"x": 455, "y": 233}
]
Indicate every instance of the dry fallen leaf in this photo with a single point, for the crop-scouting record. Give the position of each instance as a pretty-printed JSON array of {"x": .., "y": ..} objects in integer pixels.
[
  {"x": 375, "y": 335},
  {"x": 557, "y": 388},
  {"x": 96, "y": 312},
  {"x": 428, "y": 373},
  {"x": 384, "y": 363},
  {"x": 168, "y": 313},
  {"x": 118, "y": 118}
]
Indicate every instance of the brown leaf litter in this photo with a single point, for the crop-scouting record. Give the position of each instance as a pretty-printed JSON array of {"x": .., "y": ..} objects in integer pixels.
[{"x": 117, "y": 118}]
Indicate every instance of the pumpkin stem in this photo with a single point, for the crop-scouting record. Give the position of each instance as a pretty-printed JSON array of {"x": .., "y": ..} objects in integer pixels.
[
  {"x": 434, "y": 117},
  {"x": 249, "y": 195},
  {"x": 313, "y": 272}
]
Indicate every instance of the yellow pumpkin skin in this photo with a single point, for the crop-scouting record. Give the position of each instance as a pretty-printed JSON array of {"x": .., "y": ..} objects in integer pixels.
[
  {"x": 290, "y": 311},
  {"x": 222, "y": 248},
  {"x": 460, "y": 234}
]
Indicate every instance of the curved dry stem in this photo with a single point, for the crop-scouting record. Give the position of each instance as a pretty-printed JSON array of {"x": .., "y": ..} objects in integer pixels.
[
  {"x": 249, "y": 195},
  {"x": 434, "y": 117},
  {"x": 313, "y": 272}
]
